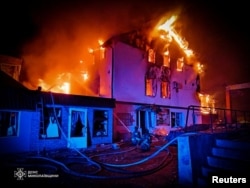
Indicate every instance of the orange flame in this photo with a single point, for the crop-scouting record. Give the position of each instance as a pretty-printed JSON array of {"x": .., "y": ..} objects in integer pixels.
[
  {"x": 62, "y": 84},
  {"x": 100, "y": 42},
  {"x": 91, "y": 51},
  {"x": 207, "y": 104},
  {"x": 167, "y": 26},
  {"x": 85, "y": 76},
  {"x": 199, "y": 67},
  {"x": 65, "y": 87}
]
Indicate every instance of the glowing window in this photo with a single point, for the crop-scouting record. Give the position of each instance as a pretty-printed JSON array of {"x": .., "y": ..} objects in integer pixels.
[
  {"x": 151, "y": 56},
  {"x": 180, "y": 64},
  {"x": 165, "y": 90},
  {"x": 166, "y": 59}
]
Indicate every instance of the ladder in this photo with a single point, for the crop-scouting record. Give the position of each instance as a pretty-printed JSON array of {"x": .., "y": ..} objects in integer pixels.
[{"x": 40, "y": 109}]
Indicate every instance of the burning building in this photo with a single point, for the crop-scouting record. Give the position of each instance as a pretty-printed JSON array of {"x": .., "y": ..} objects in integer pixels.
[
  {"x": 146, "y": 79},
  {"x": 153, "y": 80},
  {"x": 136, "y": 79}
]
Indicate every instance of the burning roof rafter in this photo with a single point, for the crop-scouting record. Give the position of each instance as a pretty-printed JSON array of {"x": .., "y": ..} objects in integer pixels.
[
  {"x": 147, "y": 37},
  {"x": 160, "y": 38}
]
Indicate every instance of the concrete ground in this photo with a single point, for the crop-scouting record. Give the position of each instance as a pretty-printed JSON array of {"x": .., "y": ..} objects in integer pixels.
[
  {"x": 112, "y": 165},
  {"x": 117, "y": 165}
]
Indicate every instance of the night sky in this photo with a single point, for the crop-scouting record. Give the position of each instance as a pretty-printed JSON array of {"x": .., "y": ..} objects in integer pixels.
[{"x": 57, "y": 34}]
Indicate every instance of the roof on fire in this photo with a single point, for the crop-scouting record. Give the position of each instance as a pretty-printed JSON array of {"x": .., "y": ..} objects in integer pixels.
[{"x": 13, "y": 95}]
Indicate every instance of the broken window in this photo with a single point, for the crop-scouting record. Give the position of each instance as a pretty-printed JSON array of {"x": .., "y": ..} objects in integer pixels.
[
  {"x": 151, "y": 56},
  {"x": 49, "y": 126},
  {"x": 166, "y": 59},
  {"x": 77, "y": 123},
  {"x": 165, "y": 90},
  {"x": 8, "y": 123},
  {"x": 180, "y": 64},
  {"x": 151, "y": 87},
  {"x": 165, "y": 82},
  {"x": 151, "y": 80},
  {"x": 176, "y": 119},
  {"x": 100, "y": 123},
  {"x": 162, "y": 117}
]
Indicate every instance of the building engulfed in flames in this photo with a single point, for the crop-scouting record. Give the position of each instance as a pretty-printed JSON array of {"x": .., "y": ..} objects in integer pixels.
[
  {"x": 143, "y": 73},
  {"x": 88, "y": 80}
]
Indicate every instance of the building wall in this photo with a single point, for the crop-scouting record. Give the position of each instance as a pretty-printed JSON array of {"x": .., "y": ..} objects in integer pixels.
[
  {"x": 64, "y": 141},
  {"x": 38, "y": 144},
  {"x": 160, "y": 120},
  {"x": 93, "y": 137},
  {"x": 129, "y": 71},
  {"x": 21, "y": 142},
  {"x": 106, "y": 73},
  {"x": 124, "y": 67},
  {"x": 28, "y": 138},
  {"x": 129, "y": 80},
  {"x": 124, "y": 121}
]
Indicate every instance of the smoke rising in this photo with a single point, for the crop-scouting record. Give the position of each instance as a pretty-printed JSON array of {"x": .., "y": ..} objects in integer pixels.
[
  {"x": 65, "y": 32},
  {"x": 62, "y": 31}
]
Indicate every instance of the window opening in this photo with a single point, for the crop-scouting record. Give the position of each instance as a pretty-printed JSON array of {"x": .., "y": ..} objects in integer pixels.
[
  {"x": 176, "y": 119},
  {"x": 180, "y": 64},
  {"x": 8, "y": 123},
  {"x": 100, "y": 123},
  {"x": 52, "y": 121}
]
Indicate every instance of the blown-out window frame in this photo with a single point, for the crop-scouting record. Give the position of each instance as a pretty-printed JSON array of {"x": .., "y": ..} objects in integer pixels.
[
  {"x": 50, "y": 123},
  {"x": 9, "y": 123}
]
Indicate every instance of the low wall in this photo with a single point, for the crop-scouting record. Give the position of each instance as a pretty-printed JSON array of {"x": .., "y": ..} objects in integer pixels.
[{"x": 193, "y": 149}]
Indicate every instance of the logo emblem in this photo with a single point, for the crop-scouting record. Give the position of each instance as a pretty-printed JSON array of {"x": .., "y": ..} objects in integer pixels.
[{"x": 19, "y": 174}]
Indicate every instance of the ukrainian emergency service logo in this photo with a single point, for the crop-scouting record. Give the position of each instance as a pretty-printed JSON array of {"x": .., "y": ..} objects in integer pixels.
[{"x": 20, "y": 174}]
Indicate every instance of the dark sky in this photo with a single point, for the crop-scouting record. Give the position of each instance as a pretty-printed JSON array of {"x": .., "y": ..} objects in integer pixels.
[{"x": 49, "y": 34}]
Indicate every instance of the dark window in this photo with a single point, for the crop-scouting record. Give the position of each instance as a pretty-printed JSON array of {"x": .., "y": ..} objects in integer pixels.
[
  {"x": 77, "y": 123},
  {"x": 100, "y": 123},
  {"x": 50, "y": 122},
  {"x": 8, "y": 123},
  {"x": 176, "y": 119}
]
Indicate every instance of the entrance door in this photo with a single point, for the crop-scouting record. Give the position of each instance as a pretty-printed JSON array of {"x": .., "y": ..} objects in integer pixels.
[
  {"x": 146, "y": 120},
  {"x": 77, "y": 128}
]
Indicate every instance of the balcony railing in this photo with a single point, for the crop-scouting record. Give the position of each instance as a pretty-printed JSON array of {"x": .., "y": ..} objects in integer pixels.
[{"x": 218, "y": 118}]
